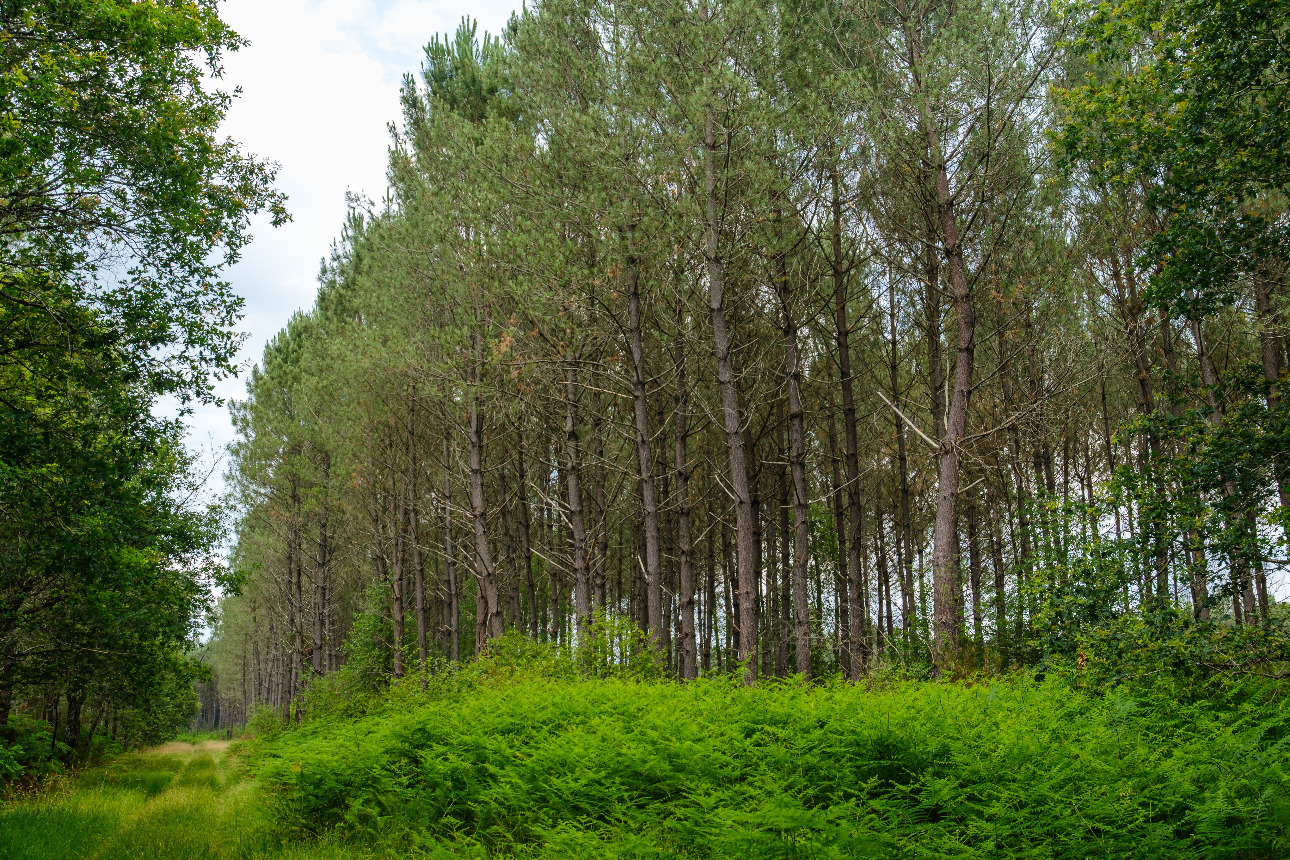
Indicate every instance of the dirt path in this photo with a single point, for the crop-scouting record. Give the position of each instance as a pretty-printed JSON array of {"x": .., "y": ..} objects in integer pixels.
[
  {"x": 172, "y": 802},
  {"x": 184, "y": 748}
]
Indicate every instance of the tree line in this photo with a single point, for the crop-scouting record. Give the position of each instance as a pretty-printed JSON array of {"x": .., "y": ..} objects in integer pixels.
[
  {"x": 787, "y": 338},
  {"x": 120, "y": 206}
]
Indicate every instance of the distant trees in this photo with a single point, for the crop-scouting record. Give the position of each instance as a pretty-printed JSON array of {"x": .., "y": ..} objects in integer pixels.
[
  {"x": 118, "y": 208},
  {"x": 794, "y": 337}
]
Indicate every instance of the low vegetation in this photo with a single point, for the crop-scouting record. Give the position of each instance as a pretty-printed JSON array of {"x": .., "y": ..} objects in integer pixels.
[
  {"x": 520, "y": 755},
  {"x": 483, "y": 765}
]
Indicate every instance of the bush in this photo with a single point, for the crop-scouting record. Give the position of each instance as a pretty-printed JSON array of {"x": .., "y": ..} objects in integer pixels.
[
  {"x": 30, "y": 750},
  {"x": 556, "y": 767},
  {"x": 264, "y": 722}
]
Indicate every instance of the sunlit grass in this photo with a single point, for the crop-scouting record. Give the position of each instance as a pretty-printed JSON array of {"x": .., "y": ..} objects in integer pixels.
[{"x": 180, "y": 802}]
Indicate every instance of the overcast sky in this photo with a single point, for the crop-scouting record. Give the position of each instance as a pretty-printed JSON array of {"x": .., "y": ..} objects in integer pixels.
[{"x": 320, "y": 83}]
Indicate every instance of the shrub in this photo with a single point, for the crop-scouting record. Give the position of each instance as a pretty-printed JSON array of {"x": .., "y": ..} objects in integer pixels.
[{"x": 560, "y": 767}]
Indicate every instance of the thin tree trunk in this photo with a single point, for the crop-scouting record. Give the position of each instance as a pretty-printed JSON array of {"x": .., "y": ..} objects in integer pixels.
[
  {"x": 1270, "y": 353},
  {"x": 600, "y": 566},
  {"x": 645, "y": 459},
  {"x": 710, "y": 594},
  {"x": 688, "y": 661},
  {"x": 321, "y": 560},
  {"x": 974, "y": 576},
  {"x": 1240, "y": 562},
  {"x": 485, "y": 571},
  {"x": 449, "y": 555},
  {"x": 857, "y": 613},
  {"x": 744, "y": 525},
  {"x": 414, "y": 535},
  {"x": 904, "y": 526},
  {"x": 945, "y": 602},
  {"x": 797, "y": 469},
  {"x": 577, "y": 524},
  {"x": 1000, "y": 596},
  {"x": 398, "y": 510},
  {"x": 526, "y": 536},
  {"x": 846, "y": 655}
]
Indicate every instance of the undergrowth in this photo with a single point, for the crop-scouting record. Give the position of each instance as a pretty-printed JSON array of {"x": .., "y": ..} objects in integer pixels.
[{"x": 545, "y": 764}]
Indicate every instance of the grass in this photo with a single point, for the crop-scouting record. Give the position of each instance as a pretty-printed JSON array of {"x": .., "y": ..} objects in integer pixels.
[{"x": 178, "y": 802}]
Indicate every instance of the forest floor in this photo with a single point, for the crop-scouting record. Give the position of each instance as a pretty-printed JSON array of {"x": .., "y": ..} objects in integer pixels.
[{"x": 179, "y": 801}]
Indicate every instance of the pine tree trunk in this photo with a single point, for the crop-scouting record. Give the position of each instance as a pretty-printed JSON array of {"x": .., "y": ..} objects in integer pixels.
[
  {"x": 577, "y": 524},
  {"x": 1000, "y": 597},
  {"x": 526, "y": 536},
  {"x": 1270, "y": 355},
  {"x": 414, "y": 535},
  {"x": 945, "y": 602},
  {"x": 688, "y": 662},
  {"x": 857, "y": 613},
  {"x": 645, "y": 459},
  {"x": 485, "y": 572},
  {"x": 321, "y": 564},
  {"x": 904, "y": 526},
  {"x": 744, "y": 525},
  {"x": 838, "y": 492},
  {"x": 451, "y": 606},
  {"x": 398, "y": 510},
  {"x": 601, "y": 556},
  {"x": 974, "y": 576},
  {"x": 797, "y": 469}
]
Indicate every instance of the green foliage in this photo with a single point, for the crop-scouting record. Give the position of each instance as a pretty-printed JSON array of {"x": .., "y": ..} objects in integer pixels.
[
  {"x": 120, "y": 201},
  {"x": 120, "y": 206},
  {"x": 263, "y": 722},
  {"x": 557, "y": 768},
  {"x": 1189, "y": 99},
  {"x": 1087, "y": 622},
  {"x": 28, "y": 748}
]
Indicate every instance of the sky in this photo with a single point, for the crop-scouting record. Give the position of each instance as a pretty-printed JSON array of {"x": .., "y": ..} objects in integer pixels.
[{"x": 319, "y": 85}]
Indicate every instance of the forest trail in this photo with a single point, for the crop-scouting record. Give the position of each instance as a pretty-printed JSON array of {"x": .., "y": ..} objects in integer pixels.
[{"x": 178, "y": 801}]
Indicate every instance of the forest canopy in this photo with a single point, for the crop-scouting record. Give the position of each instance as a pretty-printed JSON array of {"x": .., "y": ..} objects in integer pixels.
[{"x": 790, "y": 338}]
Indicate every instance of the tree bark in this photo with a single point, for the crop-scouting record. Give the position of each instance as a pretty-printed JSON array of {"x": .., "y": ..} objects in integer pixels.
[
  {"x": 688, "y": 662},
  {"x": 526, "y": 536},
  {"x": 451, "y": 607},
  {"x": 974, "y": 576},
  {"x": 1270, "y": 355},
  {"x": 1240, "y": 563},
  {"x": 797, "y": 469},
  {"x": 945, "y": 603},
  {"x": 645, "y": 459},
  {"x": 744, "y": 525},
  {"x": 414, "y": 535},
  {"x": 857, "y": 613},
  {"x": 321, "y": 564},
  {"x": 577, "y": 523},
  {"x": 904, "y": 525},
  {"x": 485, "y": 572},
  {"x": 601, "y": 555},
  {"x": 398, "y": 510},
  {"x": 838, "y": 493}
]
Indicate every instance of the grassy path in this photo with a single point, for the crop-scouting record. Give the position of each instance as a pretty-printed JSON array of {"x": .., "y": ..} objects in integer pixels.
[{"x": 176, "y": 802}]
